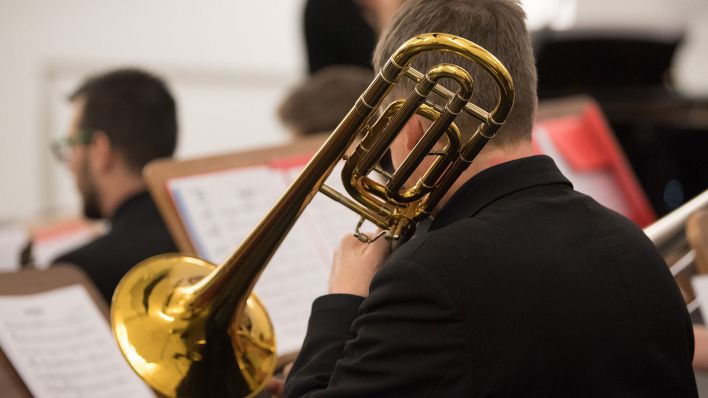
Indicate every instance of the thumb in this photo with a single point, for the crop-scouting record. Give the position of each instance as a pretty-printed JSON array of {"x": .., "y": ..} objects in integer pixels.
[{"x": 380, "y": 249}]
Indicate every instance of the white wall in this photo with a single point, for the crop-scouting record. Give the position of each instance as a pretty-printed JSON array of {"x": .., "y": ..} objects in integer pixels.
[
  {"x": 226, "y": 60},
  {"x": 228, "y": 63}
]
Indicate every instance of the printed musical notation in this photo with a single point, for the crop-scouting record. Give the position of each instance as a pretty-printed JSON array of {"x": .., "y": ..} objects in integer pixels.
[
  {"x": 220, "y": 209},
  {"x": 62, "y": 347}
]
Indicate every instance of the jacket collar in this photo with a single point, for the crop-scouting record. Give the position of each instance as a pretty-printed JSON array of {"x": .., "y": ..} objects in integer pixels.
[
  {"x": 494, "y": 183},
  {"x": 131, "y": 208}
]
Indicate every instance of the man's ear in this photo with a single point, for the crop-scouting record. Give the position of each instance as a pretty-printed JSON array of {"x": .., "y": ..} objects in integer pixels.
[
  {"x": 414, "y": 131},
  {"x": 101, "y": 152}
]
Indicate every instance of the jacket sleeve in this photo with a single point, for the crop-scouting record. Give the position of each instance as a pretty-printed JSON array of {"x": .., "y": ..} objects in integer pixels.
[{"x": 404, "y": 339}]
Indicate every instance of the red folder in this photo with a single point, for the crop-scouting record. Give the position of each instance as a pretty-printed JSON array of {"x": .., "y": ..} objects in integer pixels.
[{"x": 584, "y": 147}]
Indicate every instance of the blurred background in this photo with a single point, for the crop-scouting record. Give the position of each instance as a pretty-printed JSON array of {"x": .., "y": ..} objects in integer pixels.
[
  {"x": 230, "y": 63},
  {"x": 232, "y": 66}
]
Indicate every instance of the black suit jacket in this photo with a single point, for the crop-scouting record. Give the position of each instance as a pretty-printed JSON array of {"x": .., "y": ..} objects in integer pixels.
[
  {"x": 137, "y": 232},
  {"x": 521, "y": 287}
]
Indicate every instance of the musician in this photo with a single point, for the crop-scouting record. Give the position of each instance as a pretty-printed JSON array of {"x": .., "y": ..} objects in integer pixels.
[
  {"x": 518, "y": 286},
  {"x": 335, "y": 88},
  {"x": 379, "y": 13},
  {"x": 121, "y": 120}
]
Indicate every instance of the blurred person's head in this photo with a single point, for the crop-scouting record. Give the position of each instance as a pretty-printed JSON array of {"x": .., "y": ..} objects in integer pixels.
[
  {"x": 379, "y": 13},
  {"x": 121, "y": 120},
  {"x": 496, "y": 25},
  {"x": 321, "y": 101}
]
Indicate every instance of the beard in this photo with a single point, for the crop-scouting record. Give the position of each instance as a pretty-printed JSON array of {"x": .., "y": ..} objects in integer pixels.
[
  {"x": 91, "y": 208},
  {"x": 89, "y": 194}
]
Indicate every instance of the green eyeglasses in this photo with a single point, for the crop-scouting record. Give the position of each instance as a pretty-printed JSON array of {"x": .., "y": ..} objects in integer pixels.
[{"x": 61, "y": 147}]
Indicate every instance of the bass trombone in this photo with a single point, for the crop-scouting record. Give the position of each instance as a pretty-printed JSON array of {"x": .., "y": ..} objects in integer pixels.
[{"x": 189, "y": 328}]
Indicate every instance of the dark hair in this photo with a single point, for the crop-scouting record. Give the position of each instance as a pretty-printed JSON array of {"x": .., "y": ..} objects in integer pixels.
[
  {"x": 136, "y": 111},
  {"x": 320, "y": 102},
  {"x": 496, "y": 25}
]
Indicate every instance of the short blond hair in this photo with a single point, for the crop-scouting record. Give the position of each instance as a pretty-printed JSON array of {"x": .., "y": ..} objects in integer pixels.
[{"x": 498, "y": 26}]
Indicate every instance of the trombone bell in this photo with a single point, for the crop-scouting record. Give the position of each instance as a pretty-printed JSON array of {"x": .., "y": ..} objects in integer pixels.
[
  {"x": 175, "y": 316},
  {"x": 164, "y": 339}
]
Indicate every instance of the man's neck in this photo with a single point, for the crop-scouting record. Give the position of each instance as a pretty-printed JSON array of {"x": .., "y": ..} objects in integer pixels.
[{"x": 117, "y": 192}]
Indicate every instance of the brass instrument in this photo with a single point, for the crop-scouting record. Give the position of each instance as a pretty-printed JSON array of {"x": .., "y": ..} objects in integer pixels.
[
  {"x": 669, "y": 237},
  {"x": 175, "y": 317}
]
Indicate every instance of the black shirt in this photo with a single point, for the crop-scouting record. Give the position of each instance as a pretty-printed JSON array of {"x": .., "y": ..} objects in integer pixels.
[
  {"x": 136, "y": 233},
  {"x": 521, "y": 287}
]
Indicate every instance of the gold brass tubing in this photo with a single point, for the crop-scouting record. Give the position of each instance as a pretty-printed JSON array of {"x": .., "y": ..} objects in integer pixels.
[
  {"x": 472, "y": 109},
  {"x": 431, "y": 137},
  {"x": 214, "y": 338},
  {"x": 375, "y": 218}
]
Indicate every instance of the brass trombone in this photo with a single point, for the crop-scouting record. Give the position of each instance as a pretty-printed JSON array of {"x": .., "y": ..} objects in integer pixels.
[
  {"x": 189, "y": 328},
  {"x": 669, "y": 235}
]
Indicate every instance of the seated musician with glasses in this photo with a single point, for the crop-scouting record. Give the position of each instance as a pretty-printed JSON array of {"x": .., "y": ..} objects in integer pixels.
[
  {"x": 121, "y": 120},
  {"x": 518, "y": 286}
]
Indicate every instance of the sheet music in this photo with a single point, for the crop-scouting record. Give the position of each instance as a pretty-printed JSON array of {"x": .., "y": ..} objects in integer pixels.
[
  {"x": 62, "y": 347},
  {"x": 327, "y": 220},
  {"x": 220, "y": 209}
]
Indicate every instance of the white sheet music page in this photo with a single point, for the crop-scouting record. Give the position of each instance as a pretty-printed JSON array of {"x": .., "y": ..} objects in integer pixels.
[
  {"x": 298, "y": 272},
  {"x": 327, "y": 221},
  {"x": 220, "y": 209},
  {"x": 62, "y": 347}
]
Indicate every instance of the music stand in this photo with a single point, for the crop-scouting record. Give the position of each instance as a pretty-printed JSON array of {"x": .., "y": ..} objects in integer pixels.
[
  {"x": 574, "y": 132},
  {"x": 158, "y": 173}
]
